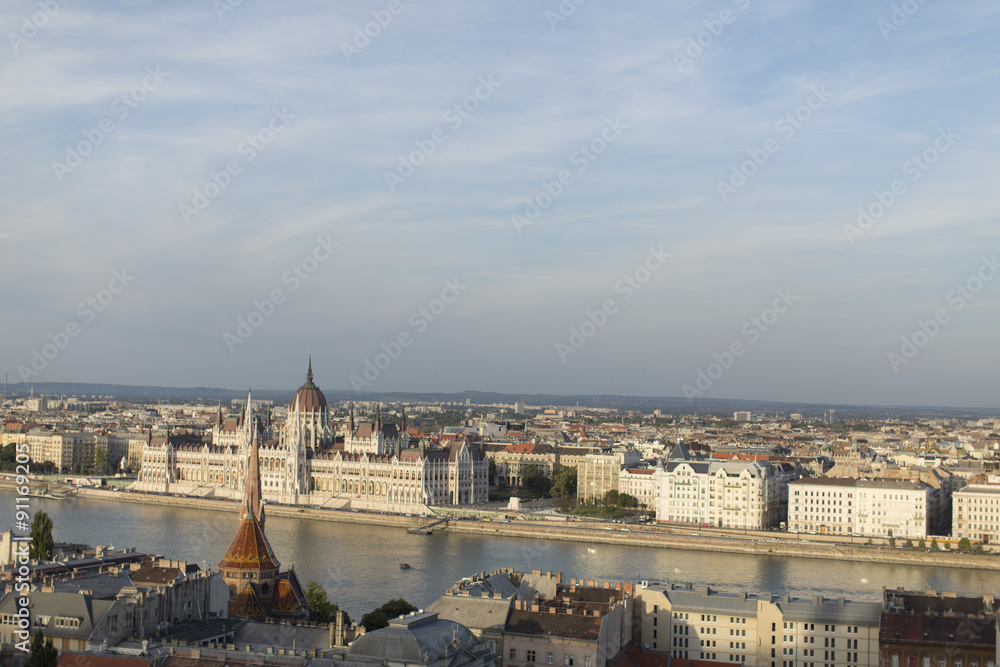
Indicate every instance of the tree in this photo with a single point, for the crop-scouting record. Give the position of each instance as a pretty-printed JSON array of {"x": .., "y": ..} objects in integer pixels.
[
  {"x": 43, "y": 653},
  {"x": 892, "y": 541},
  {"x": 379, "y": 618},
  {"x": 101, "y": 461},
  {"x": 934, "y": 544},
  {"x": 626, "y": 500},
  {"x": 564, "y": 481},
  {"x": 922, "y": 544},
  {"x": 41, "y": 537},
  {"x": 533, "y": 478},
  {"x": 493, "y": 471},
  {"x": 321, "y": 610},
  {"x": 611, "y": 498},
  {"x": 964, "y": 544}
]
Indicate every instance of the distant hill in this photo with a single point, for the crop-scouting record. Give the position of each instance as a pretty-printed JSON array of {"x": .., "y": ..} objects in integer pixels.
[{"x": 669, "y": 405}]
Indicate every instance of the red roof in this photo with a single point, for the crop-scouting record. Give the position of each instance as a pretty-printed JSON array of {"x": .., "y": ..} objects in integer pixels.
[{"x": 249, "y": 549}]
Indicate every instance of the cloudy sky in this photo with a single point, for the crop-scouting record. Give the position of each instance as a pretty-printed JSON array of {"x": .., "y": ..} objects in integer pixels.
[{"x": 734, "y": 199}]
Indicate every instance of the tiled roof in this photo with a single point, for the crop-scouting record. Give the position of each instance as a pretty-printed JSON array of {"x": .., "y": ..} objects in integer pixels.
[{"x": 250, "y": 548}]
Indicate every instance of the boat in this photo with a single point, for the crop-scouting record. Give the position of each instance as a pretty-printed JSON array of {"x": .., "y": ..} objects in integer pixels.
[{"x": 404, "y": 566}]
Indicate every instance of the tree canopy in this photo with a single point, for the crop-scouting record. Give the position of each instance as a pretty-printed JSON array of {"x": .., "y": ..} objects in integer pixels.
[
  {"x": 321, "y": 610},
  {"x": 43, "y": 653},
  {"x": 41, "y": 537},
  {"x": 379, "y": 618}
]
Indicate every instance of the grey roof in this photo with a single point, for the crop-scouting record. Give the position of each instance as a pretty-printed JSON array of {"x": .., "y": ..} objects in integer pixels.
[
  {"x": 52, "y": 605},
  {"x": 104, "y": 586},
  {"x": 476, "y": 613},
  {"x": 283, "y": 635},
  {"x": 824, "y": 610},
  {"x": 703, "y": 599},
  {"x": 418, "y": 638}
]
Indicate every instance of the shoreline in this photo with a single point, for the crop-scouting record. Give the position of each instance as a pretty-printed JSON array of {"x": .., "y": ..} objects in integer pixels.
[{"x": 658, "y": 537}]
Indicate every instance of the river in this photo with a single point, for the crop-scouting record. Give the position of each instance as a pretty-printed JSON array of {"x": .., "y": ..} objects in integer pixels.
[{"x": 359, "y": 565}]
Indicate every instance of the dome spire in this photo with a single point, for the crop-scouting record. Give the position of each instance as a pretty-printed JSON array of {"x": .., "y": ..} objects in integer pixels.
[{"x": 309, "y": 373}]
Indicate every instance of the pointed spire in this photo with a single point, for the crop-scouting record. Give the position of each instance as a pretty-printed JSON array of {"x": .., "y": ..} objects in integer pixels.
[
  {"x": 253, "y": 501},
  {"x": 309, "y": 373},
  {"x": 350, "y": 424},
  {"x": 404, "y": 419},
  {"x": 218, "y": 415},
  {"x": 378, "y": 417}
]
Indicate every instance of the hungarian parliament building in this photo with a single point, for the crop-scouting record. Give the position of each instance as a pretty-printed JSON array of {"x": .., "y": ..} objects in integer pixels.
[{"x": 373, "y": 465}]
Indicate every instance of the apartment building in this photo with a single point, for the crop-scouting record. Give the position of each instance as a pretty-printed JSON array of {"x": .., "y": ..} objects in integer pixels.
[
  {"x": 601, "y": 472},
  {"x": 730, "y": 494},
  {"x": 698, "y": 623},
  {"x": 976, "y": 513},
  {"x": 843, "y": 506}
]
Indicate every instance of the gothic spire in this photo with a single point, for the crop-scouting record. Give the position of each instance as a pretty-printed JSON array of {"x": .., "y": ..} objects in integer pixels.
[
  {"x": 253, "y": 501},
  {"x": 309, "y": 373}
]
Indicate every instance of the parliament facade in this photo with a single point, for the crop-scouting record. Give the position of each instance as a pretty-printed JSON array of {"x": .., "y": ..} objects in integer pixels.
[{"x": 375, "y": 465}]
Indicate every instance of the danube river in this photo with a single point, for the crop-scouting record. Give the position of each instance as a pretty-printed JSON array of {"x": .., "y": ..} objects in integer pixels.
[{"x": 359, "y": 565}]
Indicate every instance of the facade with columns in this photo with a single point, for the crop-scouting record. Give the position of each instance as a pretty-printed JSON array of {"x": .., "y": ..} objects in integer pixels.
[{"x": 376, "y": 466}]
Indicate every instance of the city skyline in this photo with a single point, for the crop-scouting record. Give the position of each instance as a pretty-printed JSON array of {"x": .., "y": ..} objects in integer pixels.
[{"x": 731, "y": 201}]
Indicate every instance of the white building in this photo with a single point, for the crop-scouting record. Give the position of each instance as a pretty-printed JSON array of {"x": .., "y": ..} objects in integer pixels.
[
  {"x": 976, "y": 513},
  {"x": 699, "y": 623},
  {"x": 302, "y": 463},
  {"x": 876, "y": 508},
  {"x": 729, "y": 494},
  {"x": 639, "y": 483}
]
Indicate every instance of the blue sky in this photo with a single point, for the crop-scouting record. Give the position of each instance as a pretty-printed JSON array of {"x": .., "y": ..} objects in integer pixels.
[{"x": 237, "y": 152}]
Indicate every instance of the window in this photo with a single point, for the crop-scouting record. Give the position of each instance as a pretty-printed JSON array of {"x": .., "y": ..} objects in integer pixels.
[
  {"x": 530, "y": 656},
  {"x": 548, "y": 658},
  {"x": 586, "y": 661},
  {"x": 513, "y": 654},
  {"x": 567, "y": 660}
]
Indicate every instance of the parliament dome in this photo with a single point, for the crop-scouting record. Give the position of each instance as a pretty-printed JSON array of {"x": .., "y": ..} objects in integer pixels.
[{"x": 308, "y": 398}]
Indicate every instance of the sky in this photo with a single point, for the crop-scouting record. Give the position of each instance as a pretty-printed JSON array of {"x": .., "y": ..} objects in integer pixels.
[{"x": 789, "y": 201}]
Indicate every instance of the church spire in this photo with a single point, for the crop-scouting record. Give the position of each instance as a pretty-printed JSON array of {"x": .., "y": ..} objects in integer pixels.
[
  {"x": 253, "y": 502},
  {"x": 309, "y": 373},
  {"x": 350, "y": 424}
]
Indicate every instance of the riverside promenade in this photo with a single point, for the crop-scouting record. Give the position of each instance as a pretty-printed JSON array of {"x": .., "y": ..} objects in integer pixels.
[{"x": 545, "y": 527}]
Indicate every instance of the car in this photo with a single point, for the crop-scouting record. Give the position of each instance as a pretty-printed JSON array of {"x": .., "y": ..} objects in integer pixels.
[
  {"x": 695, "y": 534},
  {"x": 625, "y": 530}
]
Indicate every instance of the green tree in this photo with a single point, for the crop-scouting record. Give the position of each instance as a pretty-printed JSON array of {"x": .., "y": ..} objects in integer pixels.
[
  {"x": 909, "y": 544},
  {"x": 533, "y": 478},
  {"x": 611, "y": 498},
  {"x": 922, "y": 544},
  {"x": 892, "y": 541},
  {"x": 964, "y": 544},
  {"x": 626, "y": 501},
  {"x": 321, "y": 610},
  {"x": 564, "y": 482},
  {"x": 43, "y": 653},
  {"x": 934, "y": 544},
  {"x": 41, "y": 537},
  {"x": 101, "y": 461},
  {"x": 493, "y": 472},
  {"x": 379, "y": 618}
]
